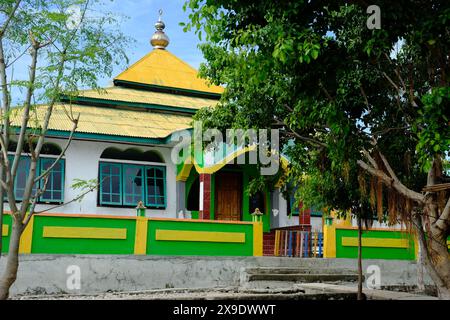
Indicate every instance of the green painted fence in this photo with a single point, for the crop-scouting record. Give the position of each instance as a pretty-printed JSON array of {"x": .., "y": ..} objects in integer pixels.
[
  {"x": 194, "y": 238},
  {"x": 80, "y": 235},
  {"x": 90, "y": 234},
  {"x": 377, "y": 244}
]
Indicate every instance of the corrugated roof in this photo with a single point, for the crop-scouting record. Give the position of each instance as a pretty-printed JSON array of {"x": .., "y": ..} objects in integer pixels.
[
  {"x": 127, "y": 95},
  {"x": 110, "y": 121},
  {"x": 162, "y": 68}
]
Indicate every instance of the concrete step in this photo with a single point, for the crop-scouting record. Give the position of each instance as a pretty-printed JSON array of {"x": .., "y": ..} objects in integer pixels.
[
  {"x": 371, "y": 294},
  {"x": 303, "y": 277},
  {"x": 273, "y": 278},
  {"x": 296, "y": 271}
]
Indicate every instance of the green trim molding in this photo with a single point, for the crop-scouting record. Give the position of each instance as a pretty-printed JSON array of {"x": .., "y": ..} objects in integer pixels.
[
  {"x": 102, "y": 137},
  {"x": 164, "y": 89},
  {"x": 105, "y": 103}
]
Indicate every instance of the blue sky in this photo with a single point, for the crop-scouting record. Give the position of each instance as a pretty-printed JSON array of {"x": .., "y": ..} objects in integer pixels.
[
  {"x": 142, "y": 15},
  {"x": 140, "y": 26}
]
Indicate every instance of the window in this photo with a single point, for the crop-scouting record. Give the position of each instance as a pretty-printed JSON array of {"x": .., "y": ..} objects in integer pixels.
[
  {"x": 110, "y": 184},
  {"x": 156, "y": 187},
  {"x": 132, "y": 184},
  {"x": 128, "y": 184},
  {"x": 54, "y": 189}
]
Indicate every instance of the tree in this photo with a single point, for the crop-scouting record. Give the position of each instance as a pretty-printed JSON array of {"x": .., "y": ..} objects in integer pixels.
[
  {"x": 67, "y": 46},
  {"x": 366, "y": 127}
]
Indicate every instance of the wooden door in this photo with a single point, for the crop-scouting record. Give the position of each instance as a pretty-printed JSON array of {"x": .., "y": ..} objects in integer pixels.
[{"x": 228, "y": 196}]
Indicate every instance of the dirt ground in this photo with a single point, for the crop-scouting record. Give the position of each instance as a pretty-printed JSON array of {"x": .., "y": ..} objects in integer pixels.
[{"x": 200, "y": 294}]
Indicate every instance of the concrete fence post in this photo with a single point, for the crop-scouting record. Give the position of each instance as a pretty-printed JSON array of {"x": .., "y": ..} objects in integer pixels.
[
  {"x": 329, "y": 241},
  {"x": 258, "y": 239},
  {"x": 26, "y": 239}
]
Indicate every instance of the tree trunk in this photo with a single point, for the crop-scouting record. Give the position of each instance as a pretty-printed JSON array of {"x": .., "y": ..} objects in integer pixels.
[
  {"x": 360, "y": 268},
  {"x": 2, "y": 210},
  {"x": 12, "y": 263},
  {"x": 435, "y": 257},
  {"x": 420, "y": 266},
  {"x": 441, "y": 263}
]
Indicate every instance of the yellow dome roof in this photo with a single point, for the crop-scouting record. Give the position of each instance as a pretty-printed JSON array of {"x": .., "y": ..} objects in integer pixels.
[{"x": 163, "y": 69}]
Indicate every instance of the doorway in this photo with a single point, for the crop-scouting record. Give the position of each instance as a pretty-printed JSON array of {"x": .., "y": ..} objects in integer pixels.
[{"x": 228, "y": 196}]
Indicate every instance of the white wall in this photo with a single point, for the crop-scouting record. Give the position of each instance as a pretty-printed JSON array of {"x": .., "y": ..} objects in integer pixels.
[
  {"x": 82, "y": 162},
  {"x": 378, "y": 225},
  {"x": 283, "y": 220}
]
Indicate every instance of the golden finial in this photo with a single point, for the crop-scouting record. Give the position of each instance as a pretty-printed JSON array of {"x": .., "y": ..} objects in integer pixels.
[{"x": 160, "y": 40}]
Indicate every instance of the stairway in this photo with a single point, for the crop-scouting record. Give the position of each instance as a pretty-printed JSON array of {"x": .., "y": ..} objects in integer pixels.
[{"x": 271, "y": 278}]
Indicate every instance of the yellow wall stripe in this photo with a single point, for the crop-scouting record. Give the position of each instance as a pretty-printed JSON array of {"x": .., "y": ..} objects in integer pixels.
[
  {"x": 85, "y": 233},
  {"x": 376, "y": 242},
  {"x": 5, "y": 230},
  {"x": 200, "y": 236},
  {"x": 140, "y": 243},
  {"x": 26, "y": 239},
  {"x": 257, "y": 239}
]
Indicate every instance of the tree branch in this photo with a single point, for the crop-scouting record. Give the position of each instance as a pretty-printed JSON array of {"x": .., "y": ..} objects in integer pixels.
[
  {"x": 72, "y": 201},
  {"x": 444, "y": 220},
  {"x": 395, "y": 183},
  {"x": 10, "y": 17},
  {"x": 26, "y": 111},
  {"x": 388, "y": 166},
  {"x": 322, "y": 87},
  {"x": 371, "y": 160},
  {"x": 61, "y": 155}
]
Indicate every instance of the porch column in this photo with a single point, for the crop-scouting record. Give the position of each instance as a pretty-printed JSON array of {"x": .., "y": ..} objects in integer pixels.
[
  {"x": 275, "y": 197},
  {"x": 181, "y": 197},
  {"x": 205, "y": 197}
]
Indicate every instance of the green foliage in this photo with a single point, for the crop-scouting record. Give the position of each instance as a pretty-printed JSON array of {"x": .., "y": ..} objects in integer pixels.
[
  {"x": 433, "y": 125},
  {"x": 332, "y": 86},
  {"x": 86, "y": 43},
  {"x": 84, "y": 187}
]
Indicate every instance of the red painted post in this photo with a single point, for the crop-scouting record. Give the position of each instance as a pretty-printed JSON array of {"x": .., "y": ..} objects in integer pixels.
[{"x": 205, "y": 197}]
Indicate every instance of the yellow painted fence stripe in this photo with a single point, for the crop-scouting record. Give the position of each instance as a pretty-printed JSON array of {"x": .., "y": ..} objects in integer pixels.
[
  {"x": 26, "y": 240},
  {"x": 140, "y": 243},
  {"x": 85, "y": 233},
  {"x": 376, "y": 242},
  {"x": 5, "y": 230},
  {"x": 200, "y": 236}
]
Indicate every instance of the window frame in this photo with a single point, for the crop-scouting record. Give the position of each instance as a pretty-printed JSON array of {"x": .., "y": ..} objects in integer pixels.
[
  {"x": 164, "y": 178},
  {"x": 62, "y": 162},
  {"x": 144, "y": 166},
  {"x": 110, "y": 203},
  {"x": 124, "y": 194},
  {"x": 40, "y": 184}
]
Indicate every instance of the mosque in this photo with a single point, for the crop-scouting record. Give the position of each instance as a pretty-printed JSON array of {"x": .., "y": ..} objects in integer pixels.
[{"x": 125, "y": 139}]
